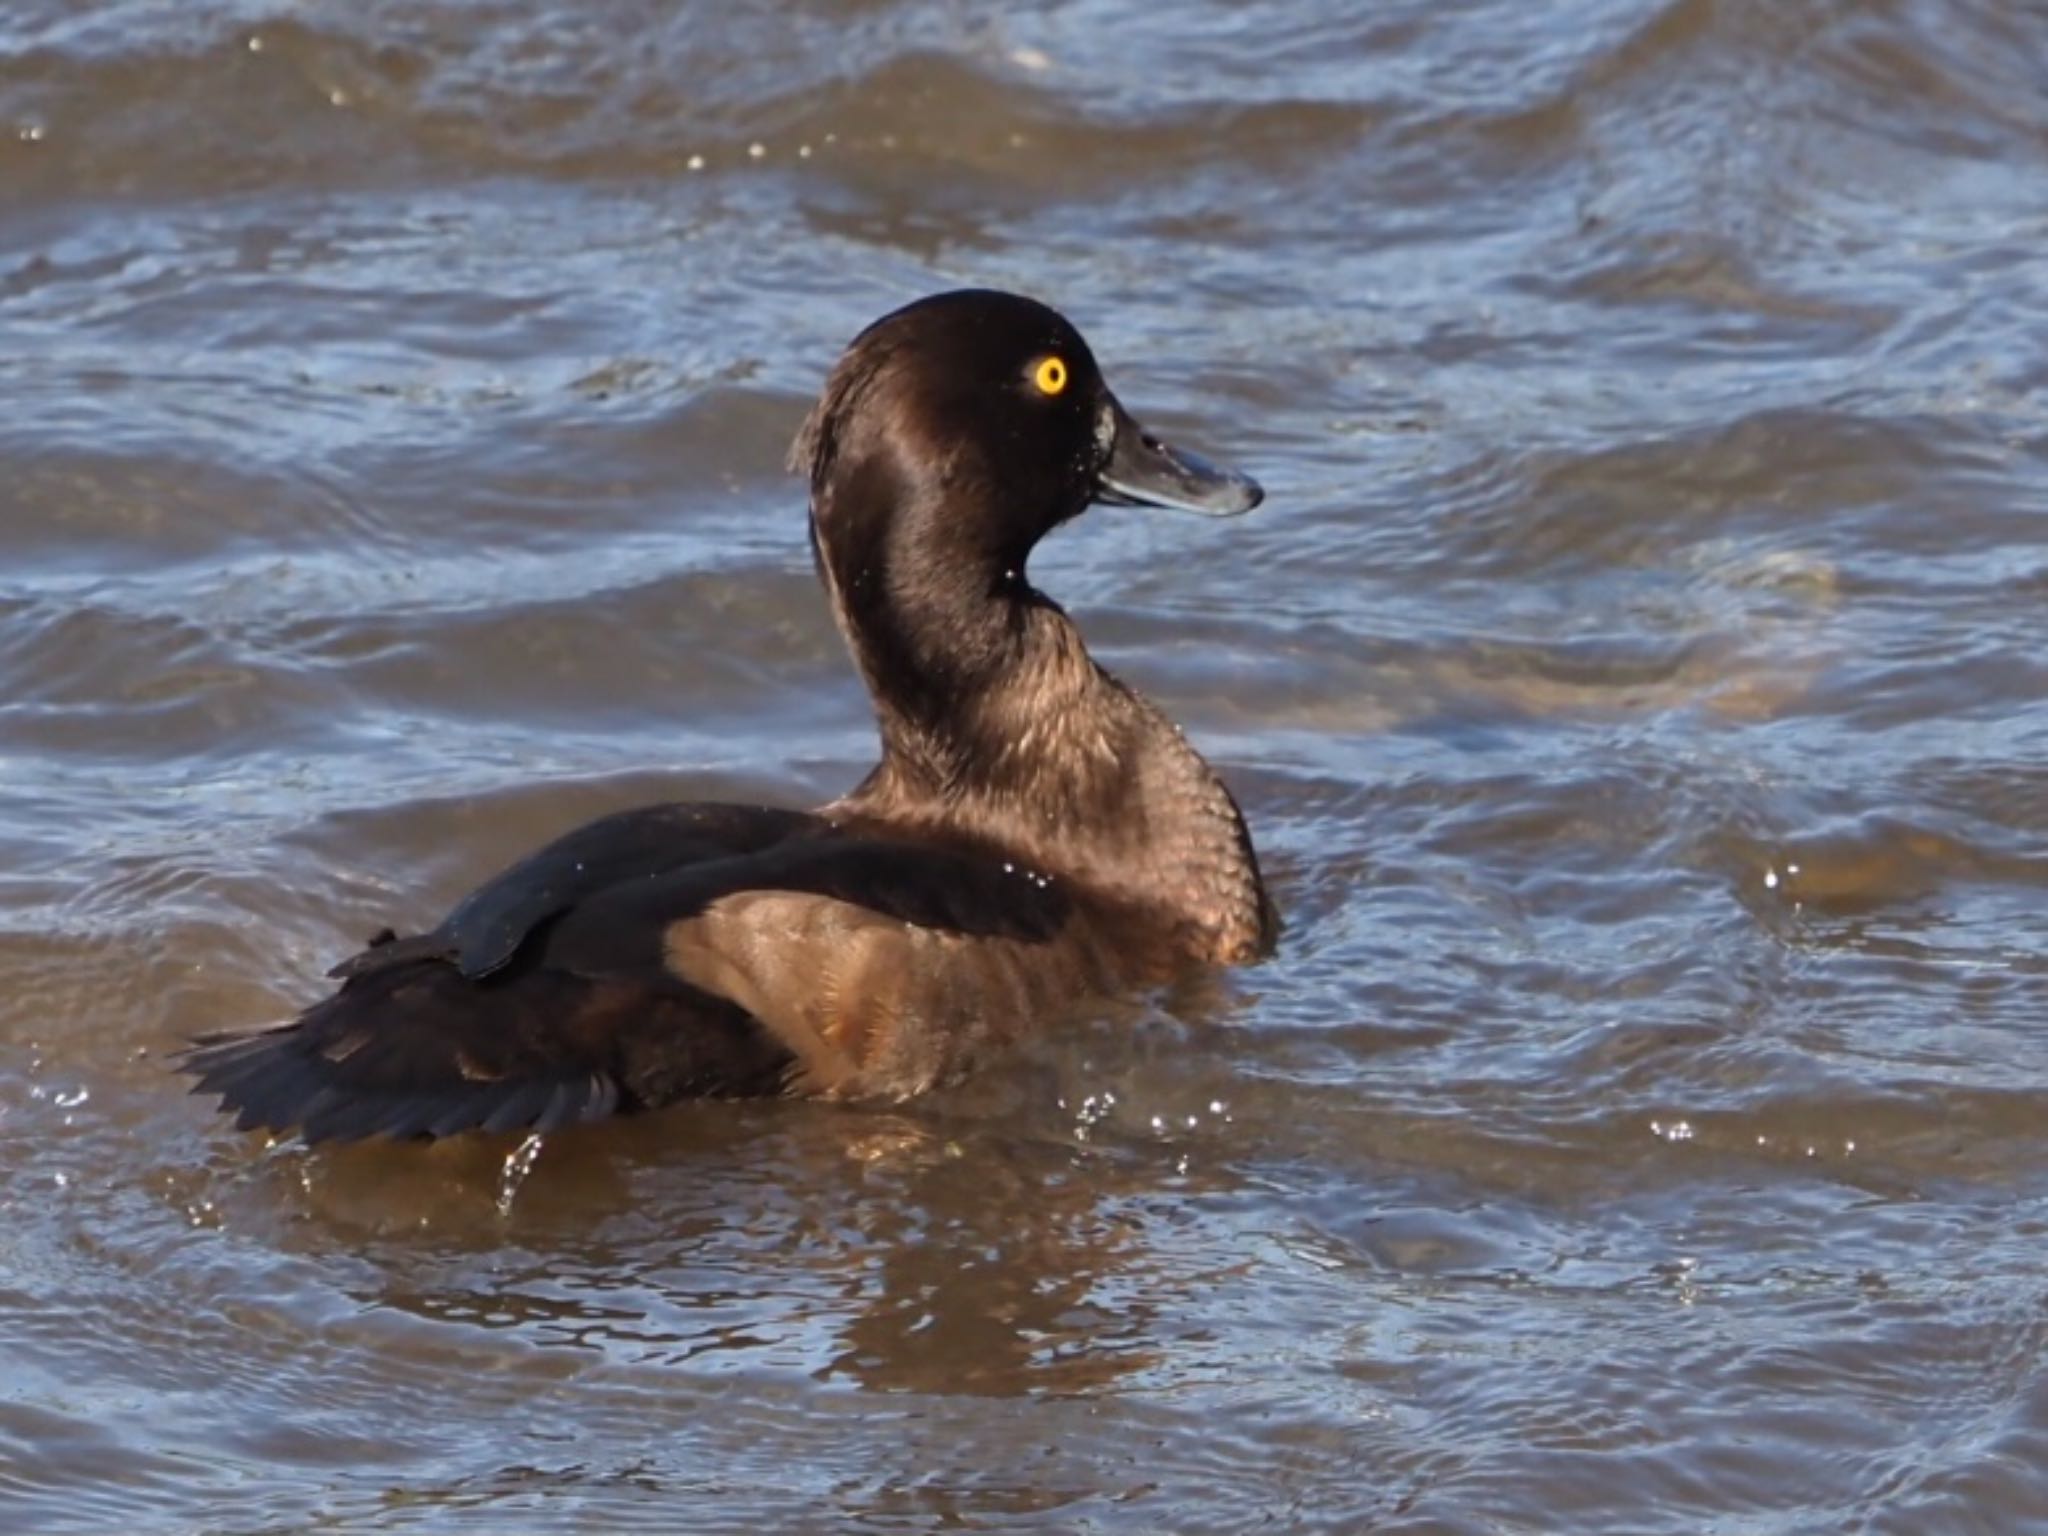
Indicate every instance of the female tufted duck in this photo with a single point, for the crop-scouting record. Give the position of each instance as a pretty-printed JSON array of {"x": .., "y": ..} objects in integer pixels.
[{"x": 1035, "y": 833}]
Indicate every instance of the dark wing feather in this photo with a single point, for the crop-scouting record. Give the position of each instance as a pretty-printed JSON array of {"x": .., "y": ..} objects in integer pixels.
[
  {"x": 487, "y": 927},
  {"x": 622, "y": 931}
]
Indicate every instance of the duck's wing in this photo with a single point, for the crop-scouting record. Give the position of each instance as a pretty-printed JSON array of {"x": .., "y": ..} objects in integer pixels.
[{"x": 642, "y": 961}]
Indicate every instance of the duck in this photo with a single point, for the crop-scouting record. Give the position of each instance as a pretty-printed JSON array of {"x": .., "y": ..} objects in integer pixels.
[{"x": 1035, "y": 835}]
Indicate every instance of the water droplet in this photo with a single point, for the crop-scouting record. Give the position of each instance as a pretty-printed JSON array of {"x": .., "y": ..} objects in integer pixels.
[
  {"x": 695, "y": 162},
  {"x": 255, "y": 43},
  {"x": 756, "y": 151},
  {"x": 1770, "y": 879},
  {"x": 518, "y": 1164}
]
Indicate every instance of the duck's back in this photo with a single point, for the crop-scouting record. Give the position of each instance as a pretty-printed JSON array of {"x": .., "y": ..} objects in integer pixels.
[{"x": 676, "y": 952}]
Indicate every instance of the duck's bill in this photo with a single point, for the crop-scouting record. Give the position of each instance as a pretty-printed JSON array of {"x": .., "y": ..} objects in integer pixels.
[{"x": 1144, "y": 472}]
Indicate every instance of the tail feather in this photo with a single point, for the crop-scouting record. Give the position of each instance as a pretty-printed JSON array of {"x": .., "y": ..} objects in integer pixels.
[
  {"x": 273, "y": 1081},
  {"x": 419, "y": 1050},
  {"x": 409, "y": 1051}
]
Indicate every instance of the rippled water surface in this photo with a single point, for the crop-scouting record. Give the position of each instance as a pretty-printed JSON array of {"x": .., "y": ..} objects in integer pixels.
[{"x": 1637, "y": 681}]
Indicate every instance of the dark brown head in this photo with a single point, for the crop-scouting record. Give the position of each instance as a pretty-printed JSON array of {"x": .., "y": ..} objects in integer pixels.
[{"x": 953, "y": 435}]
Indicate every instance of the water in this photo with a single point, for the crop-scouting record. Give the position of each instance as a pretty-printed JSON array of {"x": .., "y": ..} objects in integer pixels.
[{"x": 1635, "y": 681}]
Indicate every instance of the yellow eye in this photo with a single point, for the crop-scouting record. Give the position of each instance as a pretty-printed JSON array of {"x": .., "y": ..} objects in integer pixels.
[{"x": 1051, "y": 376}]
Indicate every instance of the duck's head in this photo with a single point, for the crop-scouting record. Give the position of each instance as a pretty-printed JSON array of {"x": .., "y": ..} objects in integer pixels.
[
  {"x": 953, "y": 435},
  {"x": 998, "y": 397}
]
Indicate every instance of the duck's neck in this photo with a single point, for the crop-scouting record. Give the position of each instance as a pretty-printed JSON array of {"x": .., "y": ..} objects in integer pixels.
[{"x": 998, "y": 726}]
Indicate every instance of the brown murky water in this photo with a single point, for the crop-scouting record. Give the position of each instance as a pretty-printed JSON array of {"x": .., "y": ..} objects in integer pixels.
[{"x": 1638, "y": 680}]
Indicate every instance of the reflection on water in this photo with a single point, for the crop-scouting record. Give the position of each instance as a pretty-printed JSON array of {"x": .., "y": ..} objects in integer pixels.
[{"x": 1634, "y": 679}]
